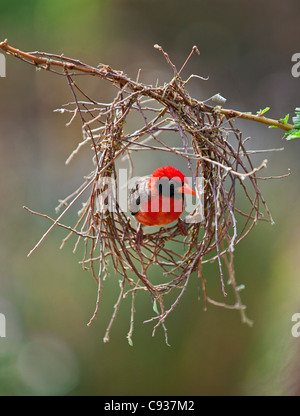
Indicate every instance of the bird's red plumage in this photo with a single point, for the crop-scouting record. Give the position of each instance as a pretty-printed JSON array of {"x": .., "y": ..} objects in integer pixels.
[
  {"x": 168, "y": 172},
  {"x": 156, "y": 208}
]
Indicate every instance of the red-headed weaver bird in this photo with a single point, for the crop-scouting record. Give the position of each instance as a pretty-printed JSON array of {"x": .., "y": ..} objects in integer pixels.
[{"x": 158, "y": 199}]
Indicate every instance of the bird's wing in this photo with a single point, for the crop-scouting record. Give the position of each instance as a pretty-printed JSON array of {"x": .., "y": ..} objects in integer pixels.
[{"x": 138, "y": 194}]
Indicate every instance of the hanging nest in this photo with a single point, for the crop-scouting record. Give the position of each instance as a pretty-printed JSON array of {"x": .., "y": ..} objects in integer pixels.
[{"x": 211, "y": 147}]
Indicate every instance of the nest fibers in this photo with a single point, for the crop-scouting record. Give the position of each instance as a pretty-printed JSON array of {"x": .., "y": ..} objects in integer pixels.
[{"x": 210, "y": 146}]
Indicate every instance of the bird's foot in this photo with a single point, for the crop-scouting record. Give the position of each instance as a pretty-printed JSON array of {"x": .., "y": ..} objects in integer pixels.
[{"x": 182, "y": 227}]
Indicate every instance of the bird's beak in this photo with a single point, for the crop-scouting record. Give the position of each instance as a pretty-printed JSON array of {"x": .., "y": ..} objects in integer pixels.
[{"x": 186, "y": 189}]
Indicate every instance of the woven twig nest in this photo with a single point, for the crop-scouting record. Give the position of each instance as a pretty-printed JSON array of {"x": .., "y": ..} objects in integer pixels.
[{"x": 212, "y": 148}]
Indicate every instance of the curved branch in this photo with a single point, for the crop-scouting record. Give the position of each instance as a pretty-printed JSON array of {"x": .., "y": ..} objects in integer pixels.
[{"x": 46, "y": 61}]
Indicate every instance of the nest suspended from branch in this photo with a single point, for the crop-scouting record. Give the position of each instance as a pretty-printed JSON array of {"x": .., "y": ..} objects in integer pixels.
[{"x": 212, "y": 148}]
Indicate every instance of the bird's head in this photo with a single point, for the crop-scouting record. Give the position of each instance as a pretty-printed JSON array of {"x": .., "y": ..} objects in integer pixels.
[{"x": 170, "y": 181}]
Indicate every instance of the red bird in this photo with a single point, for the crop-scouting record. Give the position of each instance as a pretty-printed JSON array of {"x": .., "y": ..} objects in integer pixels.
[{"x": 158, "y": 199}]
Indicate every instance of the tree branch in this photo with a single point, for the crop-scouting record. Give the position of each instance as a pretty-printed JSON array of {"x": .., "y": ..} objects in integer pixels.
[{"x": 46, "y": 61}]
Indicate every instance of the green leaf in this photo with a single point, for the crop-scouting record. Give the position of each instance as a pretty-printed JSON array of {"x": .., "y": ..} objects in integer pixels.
[
  {"x": 155, "y": 307},
  {"x": 296, "y": 120},
  {"x": 282, "y": 120},
  {"x": 292, "y": 134},
  {"x": 261, "y": 112}
]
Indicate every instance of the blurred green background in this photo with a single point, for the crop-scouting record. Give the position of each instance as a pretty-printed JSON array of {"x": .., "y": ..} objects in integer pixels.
[{"x": 246, "y": 50}]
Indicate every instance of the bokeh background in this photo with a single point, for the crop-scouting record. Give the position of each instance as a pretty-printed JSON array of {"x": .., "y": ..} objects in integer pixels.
[{"x": 246, "y": 50}]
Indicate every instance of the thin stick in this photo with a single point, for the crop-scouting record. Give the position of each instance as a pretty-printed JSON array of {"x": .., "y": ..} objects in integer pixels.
[{"x": 60, "y": 217}]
